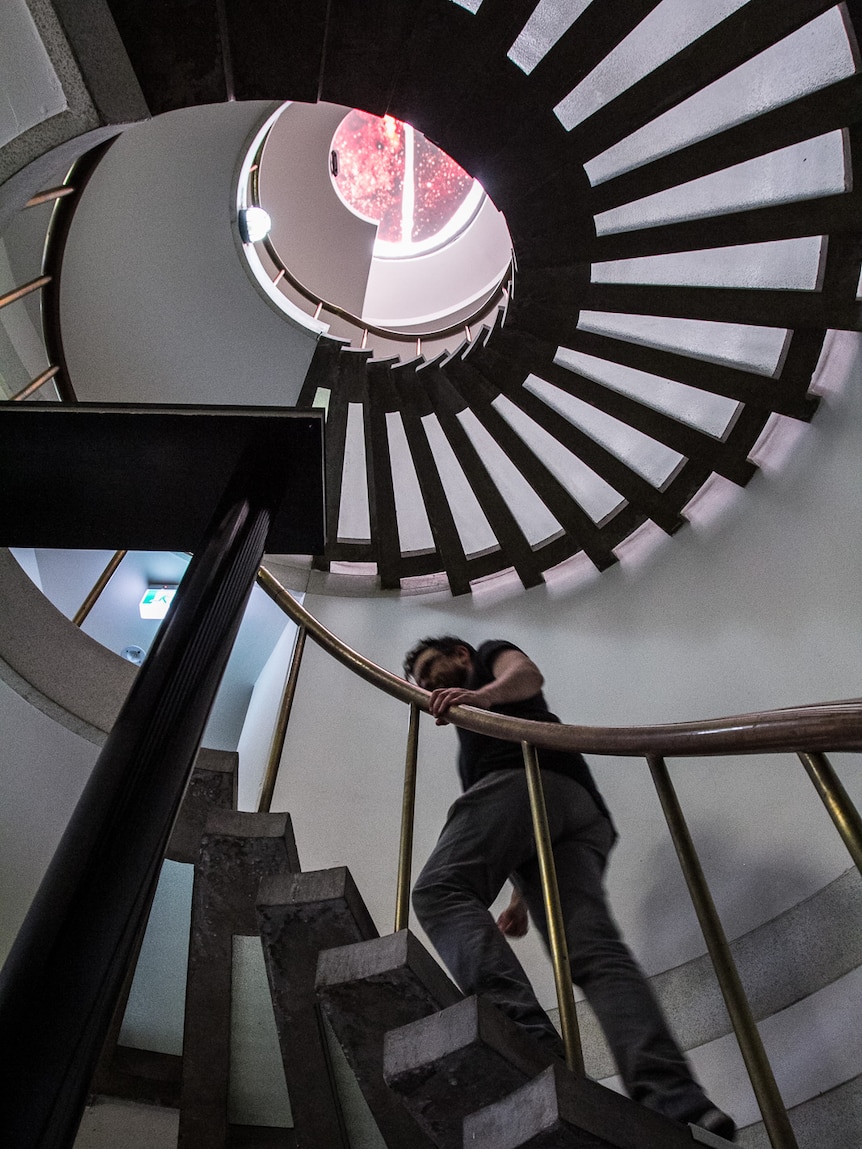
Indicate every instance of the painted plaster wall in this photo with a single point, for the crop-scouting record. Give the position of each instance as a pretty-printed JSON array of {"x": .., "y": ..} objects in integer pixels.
[
  {"x": 156, "y": 303},
  {"x": 760, "y": 609}
]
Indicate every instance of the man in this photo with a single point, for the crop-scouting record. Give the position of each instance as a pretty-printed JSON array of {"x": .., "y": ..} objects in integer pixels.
[{"x": 488, "y": 837}]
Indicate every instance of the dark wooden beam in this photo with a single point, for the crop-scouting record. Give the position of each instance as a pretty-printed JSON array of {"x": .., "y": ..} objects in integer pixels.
[
  {"x": 717, "y": 378},
  {"x": 566, "y": 510},
  {"x": 596, "y": 32},
  {"x": 686, "y": 440},
  {"x": 812, "y": 115},
  {"x": 828, "y": 215},
  {"x": 609, "y": 467},
  {"x": 514, "y": 545},
  {"x": 440, "y": 518},
  {"x": 763, "y": 307},
  {"x": 381, "y": 491},
  {"x": 740, "y": 36}
]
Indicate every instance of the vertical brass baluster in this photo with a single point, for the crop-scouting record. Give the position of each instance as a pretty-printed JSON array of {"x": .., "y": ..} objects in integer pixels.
[
  {"x": 102, "y": 581},
  {"x": 26, "y": 289},
  {"x": 775, "y": 1117},
  {"x": 278, "y": 735},
  {"x": 408, "y": 803},
  {"x": 553, "y": 911},
  {"x": 837, "y": 801},
  {"x": 38, "y": 382}
]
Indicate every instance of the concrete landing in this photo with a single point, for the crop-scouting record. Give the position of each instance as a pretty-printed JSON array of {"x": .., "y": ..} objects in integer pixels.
[
  {"x": 367, "y": 989},
  {"x": 558, "y": 1110}
]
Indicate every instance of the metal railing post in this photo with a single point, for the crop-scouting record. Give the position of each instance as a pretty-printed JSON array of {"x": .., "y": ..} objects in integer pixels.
[
  {"x": 553, "y": 911},
  {"x": 99, "y": 585},
  {"x": 34, "y": 386},
  {"x": 279, "y": 733},
  {"x": 775, "y": 1119},
  {"x": 408, "y": 804},
  {"x": 837, "y": 801}
]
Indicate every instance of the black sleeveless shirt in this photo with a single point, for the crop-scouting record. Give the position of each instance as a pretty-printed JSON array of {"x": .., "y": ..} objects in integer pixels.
[{"x": 481, "y": 755}]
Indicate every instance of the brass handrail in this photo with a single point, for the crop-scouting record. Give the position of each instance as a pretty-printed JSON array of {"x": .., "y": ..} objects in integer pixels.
[
  {"x": 284, "y": 272},
  {"x": 494, "y": 299},
  {"x": 822, "y": 726}
]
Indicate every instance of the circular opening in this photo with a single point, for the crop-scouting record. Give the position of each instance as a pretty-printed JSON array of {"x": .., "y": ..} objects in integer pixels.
[{"x": 385, "y": 171}]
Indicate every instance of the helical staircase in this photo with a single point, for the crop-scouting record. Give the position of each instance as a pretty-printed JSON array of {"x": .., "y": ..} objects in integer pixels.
[{"x": 679, "y": 191}]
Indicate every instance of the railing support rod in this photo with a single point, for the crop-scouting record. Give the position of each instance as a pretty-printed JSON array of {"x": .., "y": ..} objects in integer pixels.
[
  {"x": 553, "y": 911},
  {"x": 99, "y": 585},
  {"x": 49, "y": 195},
  {"x": 25, "y": 289},
  {"x": 837, "y": 801},
  {"x": 408, "y": 804},
  {"x": 775, "y": 1117},
  {"x": 276, "y": 748},
  {"x": 38, "y": 382}
]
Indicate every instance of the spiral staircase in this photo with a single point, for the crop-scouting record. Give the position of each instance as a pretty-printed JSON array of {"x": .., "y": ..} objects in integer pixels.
[
  {"x": 610, "y": 394},
  {"x": 676, "y": 269}
]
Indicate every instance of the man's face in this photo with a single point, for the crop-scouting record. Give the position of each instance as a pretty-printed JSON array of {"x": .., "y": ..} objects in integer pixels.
[{"x": 433, "y": 669}]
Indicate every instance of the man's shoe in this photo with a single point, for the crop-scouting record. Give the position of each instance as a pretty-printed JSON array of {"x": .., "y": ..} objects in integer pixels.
[{"x": 714, "y": 1121}]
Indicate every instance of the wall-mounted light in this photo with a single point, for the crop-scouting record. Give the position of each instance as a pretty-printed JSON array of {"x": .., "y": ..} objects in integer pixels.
[
  {"x": 156, "y": 601},
  {"x": 254, "y": 224}
]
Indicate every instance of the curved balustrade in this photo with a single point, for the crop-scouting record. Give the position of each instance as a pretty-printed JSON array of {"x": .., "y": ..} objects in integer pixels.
[
  {"x": 805, "y": 730},
  {"x": 822, "y": 726}
]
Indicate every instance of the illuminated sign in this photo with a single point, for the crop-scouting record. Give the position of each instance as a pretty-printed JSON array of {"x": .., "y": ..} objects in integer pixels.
[{"x": 156, "y": 601}]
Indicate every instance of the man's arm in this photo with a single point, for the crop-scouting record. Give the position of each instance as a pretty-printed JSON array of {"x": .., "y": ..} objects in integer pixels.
[{"x": 516, "y": 677}]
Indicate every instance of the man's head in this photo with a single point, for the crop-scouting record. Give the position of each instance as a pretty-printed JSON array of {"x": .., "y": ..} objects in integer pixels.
[{"x": 436, "y": 662}]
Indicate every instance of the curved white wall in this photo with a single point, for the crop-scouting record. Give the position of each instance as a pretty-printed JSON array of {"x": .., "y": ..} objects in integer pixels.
[{"x": 157, "y": 305}]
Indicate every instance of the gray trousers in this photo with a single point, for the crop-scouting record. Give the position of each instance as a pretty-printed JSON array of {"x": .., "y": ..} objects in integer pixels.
[{"x": 488, "y": 837}]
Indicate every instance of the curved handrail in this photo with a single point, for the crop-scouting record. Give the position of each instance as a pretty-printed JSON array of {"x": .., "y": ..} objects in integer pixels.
[
  {"x": 481, "y": 311},
  {"x": 822, "y": 726}
]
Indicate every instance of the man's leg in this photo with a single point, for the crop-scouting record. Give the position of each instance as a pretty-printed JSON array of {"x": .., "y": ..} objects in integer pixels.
[
  {"x": 487, "y": 834},
  {"x": 654, "y": 1070}
]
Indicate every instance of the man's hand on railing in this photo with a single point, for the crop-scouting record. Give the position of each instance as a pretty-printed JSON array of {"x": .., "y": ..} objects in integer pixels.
[{"x": 513, "y": 921}]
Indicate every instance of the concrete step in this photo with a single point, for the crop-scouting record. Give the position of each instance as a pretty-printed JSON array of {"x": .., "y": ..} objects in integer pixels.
[
  {"x": 237, "y": 851},
  {"x": 299, "y": 915},
  {"x": 455, "y": 1062},
  {"x": 367, "y": 989},
  {"x": 558, "y": 1110}
]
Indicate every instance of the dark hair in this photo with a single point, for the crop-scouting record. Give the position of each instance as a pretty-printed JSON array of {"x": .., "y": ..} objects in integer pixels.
[{"x": 446, "y": 644}]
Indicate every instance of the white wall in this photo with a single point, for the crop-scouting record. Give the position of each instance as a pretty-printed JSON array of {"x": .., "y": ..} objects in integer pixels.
[
  {"x": 157, "y": 304},
  {"x": 43, "y": 768},
  {"x": 760, "y": 609},
  {"x": 260, "y": 719}
]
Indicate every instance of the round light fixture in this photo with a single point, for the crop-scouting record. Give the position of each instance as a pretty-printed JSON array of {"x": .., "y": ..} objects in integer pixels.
[{"x": 254, "y": 224}]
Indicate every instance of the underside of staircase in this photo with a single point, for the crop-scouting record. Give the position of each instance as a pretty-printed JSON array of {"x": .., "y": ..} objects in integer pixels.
[
  {"x": 435, "y": 1068},
  {"x": 416, "y": 60}
]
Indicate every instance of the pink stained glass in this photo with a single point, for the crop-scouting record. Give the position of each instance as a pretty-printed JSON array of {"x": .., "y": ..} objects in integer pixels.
[{"x": 372, "y": 177}]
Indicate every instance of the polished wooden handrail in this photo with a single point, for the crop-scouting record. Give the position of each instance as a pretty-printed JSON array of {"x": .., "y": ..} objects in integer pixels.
[{"x": 823, "y": 726}]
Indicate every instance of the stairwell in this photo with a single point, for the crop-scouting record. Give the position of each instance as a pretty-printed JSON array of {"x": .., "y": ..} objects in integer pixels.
[{"x": 435, "y": 1068}]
